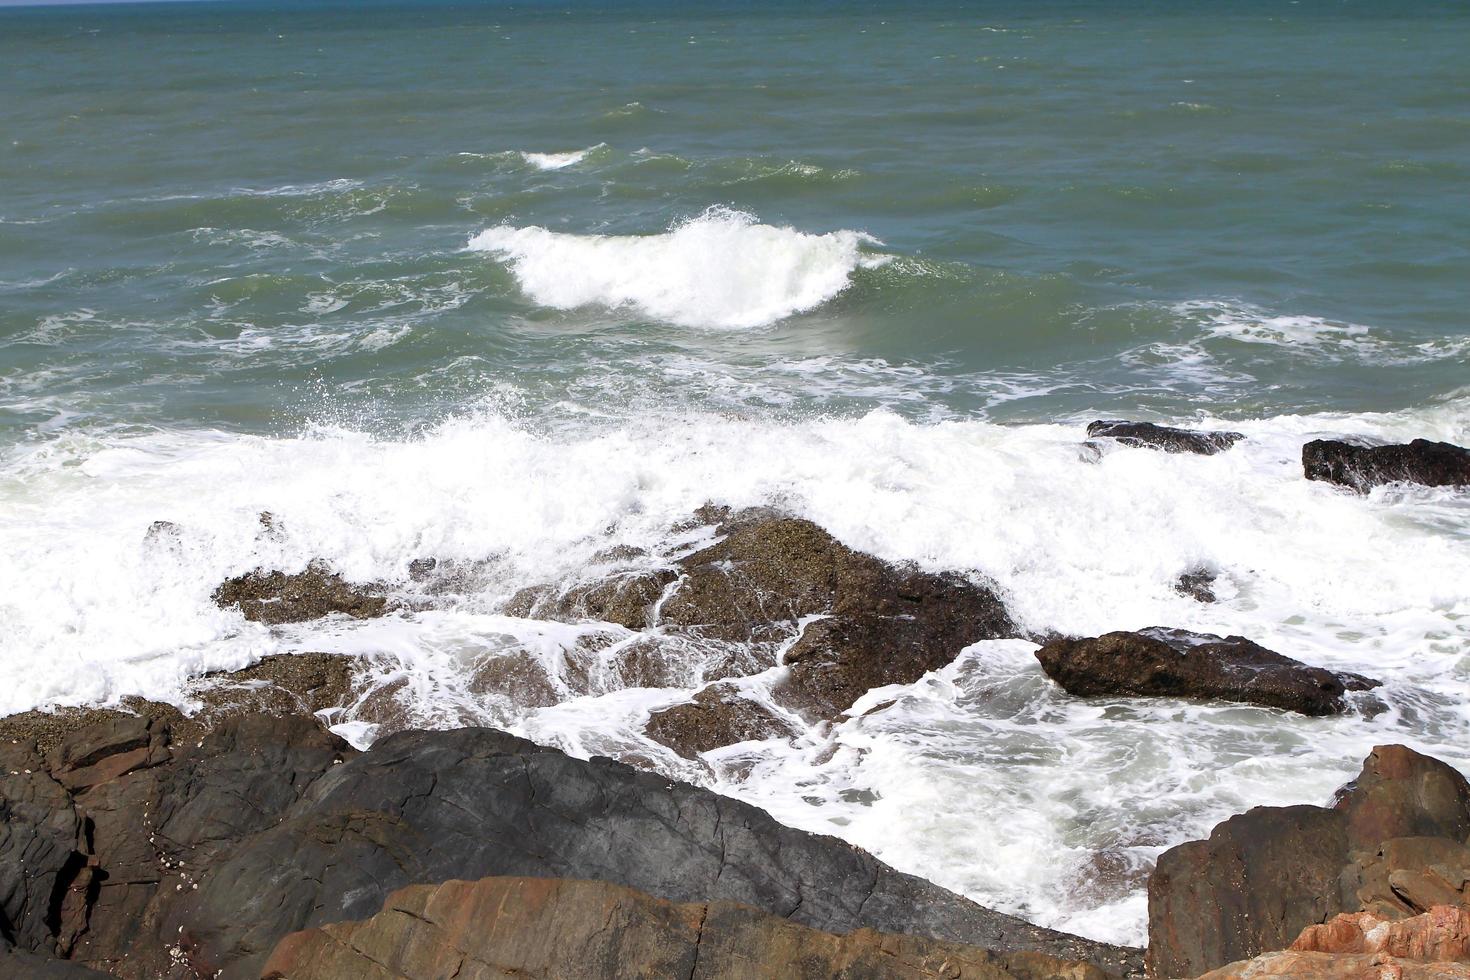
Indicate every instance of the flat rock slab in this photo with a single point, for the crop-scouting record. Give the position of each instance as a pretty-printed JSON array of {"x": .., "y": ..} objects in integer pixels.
[
  {"x": 544, "y": 927},
  {"x": 1361, "y": 468},
  {"x": 1159, "y": 662},
  {"x": 1147, "y": 435}
]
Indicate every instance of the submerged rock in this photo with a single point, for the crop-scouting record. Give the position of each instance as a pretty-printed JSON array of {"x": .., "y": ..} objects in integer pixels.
[
  {"x": 718, "y": 715},
  {"x": 1148, "y": 435},
  {"x": 626, "y": 599},
  {"x": 1265, "y": 876},
  {"x": 129, "y": 851},
  {"x": 1198, "y": 584},
  {"x": 1162, "y": 662},
  {"x": 276, "y": 597},
  {"x": 1361, "y": 468},
  {"x": 547, "y": 927}
]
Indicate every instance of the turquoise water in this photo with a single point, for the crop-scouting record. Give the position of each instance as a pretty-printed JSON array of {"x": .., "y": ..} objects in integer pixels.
[
  {"x": 209, "y": 211},
  {"x": 512, "y": 285}
]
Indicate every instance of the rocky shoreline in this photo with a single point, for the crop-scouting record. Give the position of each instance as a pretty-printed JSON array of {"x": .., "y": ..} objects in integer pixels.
[{"x": 244, "y": 839}]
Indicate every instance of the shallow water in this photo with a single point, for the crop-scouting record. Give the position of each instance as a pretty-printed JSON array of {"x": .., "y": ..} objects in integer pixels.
[{"x": 523, "y": 283}]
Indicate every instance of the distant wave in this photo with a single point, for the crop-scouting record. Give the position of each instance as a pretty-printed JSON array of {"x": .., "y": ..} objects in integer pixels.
[
  {"x": 558, "y": 161},
  {"x": 722, "y": 269}
]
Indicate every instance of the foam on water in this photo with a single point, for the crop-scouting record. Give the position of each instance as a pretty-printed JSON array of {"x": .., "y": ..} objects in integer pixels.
[
  {"x": 722, "y": 269},
  {"x": 983, "y": 776}
]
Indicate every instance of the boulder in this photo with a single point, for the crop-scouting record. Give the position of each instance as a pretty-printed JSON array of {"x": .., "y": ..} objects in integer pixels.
[
  {"x": 625, "y": 599},
  {"x": 718, "y": 715},
  {"x": 547, "y": 927},
  {"x": 1265, "y": 876},
  {"x": 130, "y": 851},
  {"x": 1403, "y": 793},
  {"x": 276, "y": 597},
  {"x": 1253, "y": 886},
  {"x": 1159, "y": 662},
  {"x": 1147, "y": 435},
  {"x": 1361, "y": 468}
]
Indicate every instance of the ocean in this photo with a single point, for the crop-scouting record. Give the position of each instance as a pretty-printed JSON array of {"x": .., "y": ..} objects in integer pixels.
[{"x": 511, "y": 284}]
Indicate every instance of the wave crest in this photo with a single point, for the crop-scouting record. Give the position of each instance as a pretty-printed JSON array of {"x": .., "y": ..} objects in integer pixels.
[{"x": 722, "y": 269}]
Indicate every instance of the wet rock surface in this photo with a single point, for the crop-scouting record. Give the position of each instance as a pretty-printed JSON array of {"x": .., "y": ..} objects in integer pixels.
[
  {"x": 1361, "y": 468},
  {"x": 1265, "y": 876},
  {"x": 1198, "y": 584},
  {"x": 128, "y": 850},
  {"x": 718, "y": 715},
  {"x": 276, "y": 597},
  {"x": 1159, "y": 662},
  {"x": 1147, "y": 435},
  {"x": 541, "y": 927}
]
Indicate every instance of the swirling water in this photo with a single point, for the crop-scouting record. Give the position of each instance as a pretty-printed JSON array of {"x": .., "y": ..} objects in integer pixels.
[{"x": 527, "y": 281}]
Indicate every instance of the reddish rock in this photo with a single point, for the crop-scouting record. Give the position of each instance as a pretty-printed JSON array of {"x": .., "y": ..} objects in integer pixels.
[
  {"x": 1337, "y": 966},
  {"x": 1402, "y": 793},
  {"x": 1441, "y": 935}
]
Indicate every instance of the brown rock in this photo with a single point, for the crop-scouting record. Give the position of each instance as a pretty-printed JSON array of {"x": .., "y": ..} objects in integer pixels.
[
  {"x": 1361, "y": 468},
  {"x": 1159, "y": 662},
  {"x": 1401, "y": 793},
  {"x": 625, "y": 599},
  {"x": 499, "y": 927},
  {"x": 718, "y": 715},
  {"x": 1253, "y": 886},
  {"x": 1330, "y": 966},
  {"x": 275, "y": 597},
  {"x": 1408, "y": 875},
  {"x": 1198, "y": 585}
]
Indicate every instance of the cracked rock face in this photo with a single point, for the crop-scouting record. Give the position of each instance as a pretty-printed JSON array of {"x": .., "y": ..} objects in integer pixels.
[
  {"x": 1160, "y": 662},
  {"x": 157, "y": 854},
  {"x": 495, "y": 927}
]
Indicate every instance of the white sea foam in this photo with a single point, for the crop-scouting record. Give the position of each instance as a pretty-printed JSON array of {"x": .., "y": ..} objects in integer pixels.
[
  {"x": 984, "y": 776},
  {"x": 722, "y": 269},
  {"x": 559, "y": 161}
]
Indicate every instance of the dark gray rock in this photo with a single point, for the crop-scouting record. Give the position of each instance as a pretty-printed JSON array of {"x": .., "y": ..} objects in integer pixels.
[
  {"x": 172, "y": 860},
  {"x": 1361, "y": 468},
  {"x": 1147, "y": 435},
  {"x": 1198, "y": 584},
  {"x": 1159, "y": 662}
]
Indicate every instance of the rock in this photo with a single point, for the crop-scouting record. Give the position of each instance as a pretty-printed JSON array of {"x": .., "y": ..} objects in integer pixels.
[
  {"x": 1440, "y": 935},
  {"x": 1361, "y": 468},
  {"x": 1147, "y": 435},
  {"x": 1254, "y": 885},
  {"x": 624, "y": 599},
  {"x": 1406, "y": 876},
  {"x": 1159, "y": 662},
  {"x": 147, "y": 863},
  {"x": 275, "y": 597},
  {"x": 1197, "y": 585},
  {"x": 1328, "y": 966},
  {"x": 1402, "y": 793},
  {"x": 545, "y": 927},
  {"x": 30, "y": 966},
  {"x": 1266, "y": 875},
  {"x": 718, "y": 715},
  {"x": 884, "y": 624}
]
